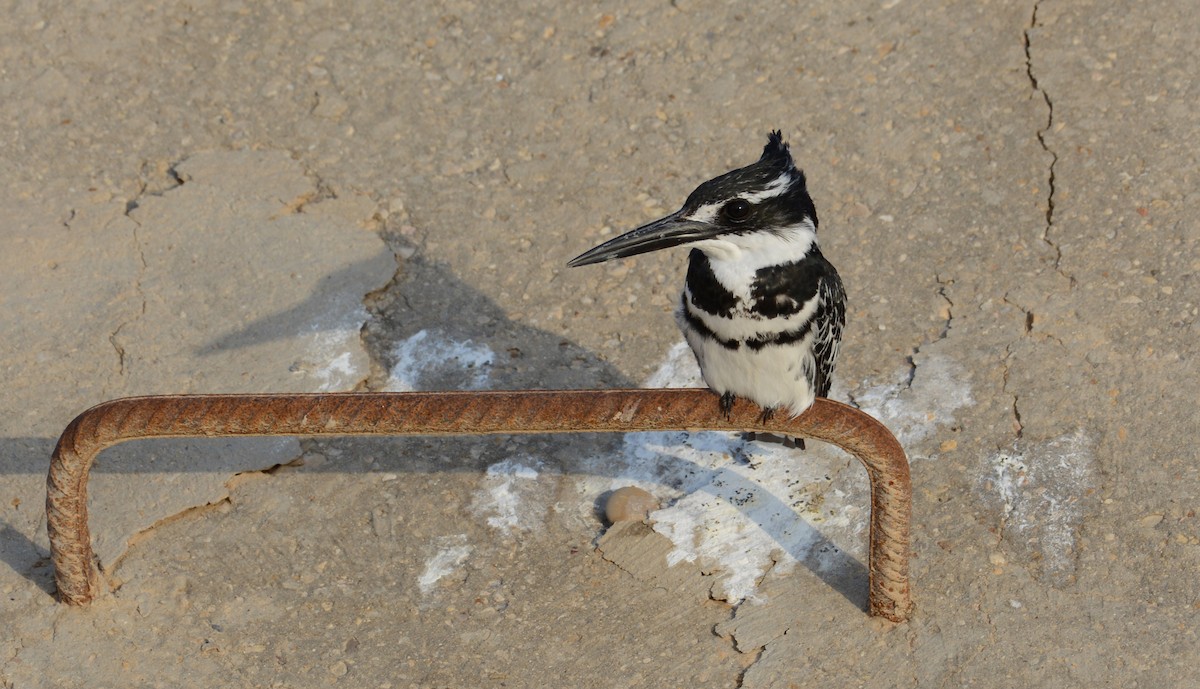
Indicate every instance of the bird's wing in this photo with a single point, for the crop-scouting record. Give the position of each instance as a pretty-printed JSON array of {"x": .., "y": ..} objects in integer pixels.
[{"x": 828, "y": 322}]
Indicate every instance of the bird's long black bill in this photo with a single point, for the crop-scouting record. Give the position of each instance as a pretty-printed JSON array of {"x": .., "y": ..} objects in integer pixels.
[{"x": 670, "y": 231}]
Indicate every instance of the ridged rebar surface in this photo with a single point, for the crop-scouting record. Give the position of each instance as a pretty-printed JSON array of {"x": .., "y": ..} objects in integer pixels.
[{"x": 461, "y": 413}]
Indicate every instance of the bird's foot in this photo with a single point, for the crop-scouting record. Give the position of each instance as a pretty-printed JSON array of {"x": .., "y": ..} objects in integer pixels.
[{"x": 727, "y": 404}]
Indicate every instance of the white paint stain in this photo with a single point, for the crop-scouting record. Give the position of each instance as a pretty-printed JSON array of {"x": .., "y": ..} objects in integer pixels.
[
  {"x": 502, "y": 490},
  {"x": 333, "y": 346},
  {"x": 743, "y": 507},
  {"x": 678, "y": 370},
  {"x": 338, "y": 373},
  {"x": 452, "y": 553},
  {"x": 430, "y": 356},
  {"x": 914, "y": 409},
  {"x": 1042, "y": 491}
]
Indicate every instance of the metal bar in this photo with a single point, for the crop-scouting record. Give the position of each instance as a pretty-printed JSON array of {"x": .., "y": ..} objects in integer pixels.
[{"x": 458, "y": 413}]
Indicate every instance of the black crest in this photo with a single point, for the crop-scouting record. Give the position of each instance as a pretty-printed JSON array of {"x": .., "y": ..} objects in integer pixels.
[{"x": 776, "y": 151}]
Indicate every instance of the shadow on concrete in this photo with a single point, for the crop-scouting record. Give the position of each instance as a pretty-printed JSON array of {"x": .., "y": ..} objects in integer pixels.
[
  {"x": 26, "y": 558},
  {"x": 322, "y": 309},
  {"x": 426, "y": 297}
]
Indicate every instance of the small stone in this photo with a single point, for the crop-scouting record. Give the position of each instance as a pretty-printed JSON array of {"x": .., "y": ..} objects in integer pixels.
[
  {"x": 1151, "y": 520},
  {"x": 629, "y": 504}
]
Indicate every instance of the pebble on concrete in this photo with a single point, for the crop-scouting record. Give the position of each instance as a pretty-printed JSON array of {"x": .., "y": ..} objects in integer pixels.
[{"x": 629, "y": 504}]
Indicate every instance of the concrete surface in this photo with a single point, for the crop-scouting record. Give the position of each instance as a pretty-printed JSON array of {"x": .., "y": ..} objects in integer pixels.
[{"x": 236, "y": 196}]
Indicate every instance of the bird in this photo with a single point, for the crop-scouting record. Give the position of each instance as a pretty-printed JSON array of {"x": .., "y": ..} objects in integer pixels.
[{"x": 762, "y": 308}]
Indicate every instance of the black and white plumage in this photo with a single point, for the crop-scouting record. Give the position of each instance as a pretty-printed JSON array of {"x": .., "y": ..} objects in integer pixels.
[{"x": 762, "y": 309}]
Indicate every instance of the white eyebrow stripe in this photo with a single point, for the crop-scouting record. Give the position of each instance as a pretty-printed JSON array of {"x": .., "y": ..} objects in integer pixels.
[
  {"x": 777, "y": 186},
  {"x": 707, "y": 212}
]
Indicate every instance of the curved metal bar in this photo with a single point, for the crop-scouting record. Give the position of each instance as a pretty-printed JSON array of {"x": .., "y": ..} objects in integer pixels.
[{"x": 458, "y": 413}]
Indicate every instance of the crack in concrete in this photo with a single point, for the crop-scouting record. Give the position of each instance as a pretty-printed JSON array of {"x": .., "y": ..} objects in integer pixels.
[
  {"x": 70, "y": 216},
  {"x": 110, "y": 570},
  {"x": 1028, "y": 324},
  {"x": 1041, "y": 133},
  {"x": 323, "y": 192},
  {"x": 613, "y": 561},
  {"x": 142, "y": 266},
  {"x": 943, "y": 285},
  {"x": 112, "y": 339},
  {"x": 139, "y": 249},
  {"x": 376, "y": 303},
  {"x": 740, "y": 680},
  {"x": 220, "y": 503},
  {"x": 1018, "y": 425}
]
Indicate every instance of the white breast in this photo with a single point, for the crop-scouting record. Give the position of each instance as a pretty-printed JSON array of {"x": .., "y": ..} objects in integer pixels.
[{"x": 771, "y": 377}]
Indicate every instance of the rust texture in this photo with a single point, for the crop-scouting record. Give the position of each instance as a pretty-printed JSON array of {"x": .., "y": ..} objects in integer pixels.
[{"x": 461, "y": 413}]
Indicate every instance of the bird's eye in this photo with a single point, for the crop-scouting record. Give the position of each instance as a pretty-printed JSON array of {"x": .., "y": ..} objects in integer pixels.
[{"x": 736, "y": 210}]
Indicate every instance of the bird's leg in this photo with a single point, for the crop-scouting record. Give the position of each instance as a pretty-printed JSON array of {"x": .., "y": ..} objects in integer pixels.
[
  {"x": 765, "y": 416},
  {"x": 727, "y": 404}
]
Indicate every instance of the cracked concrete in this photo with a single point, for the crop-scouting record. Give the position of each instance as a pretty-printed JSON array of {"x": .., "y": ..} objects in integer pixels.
[
  {"x": 192, "y": 248},
  {"x": 282, "y": 197},
  {"x": 1041, "y": 137}
]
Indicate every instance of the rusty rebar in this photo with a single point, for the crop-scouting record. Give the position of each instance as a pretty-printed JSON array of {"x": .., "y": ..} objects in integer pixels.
[{"x": 458, "y": 413}]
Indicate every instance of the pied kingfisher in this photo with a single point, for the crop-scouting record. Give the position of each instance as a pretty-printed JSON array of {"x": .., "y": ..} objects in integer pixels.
[{"x": 761, "y": 309}]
